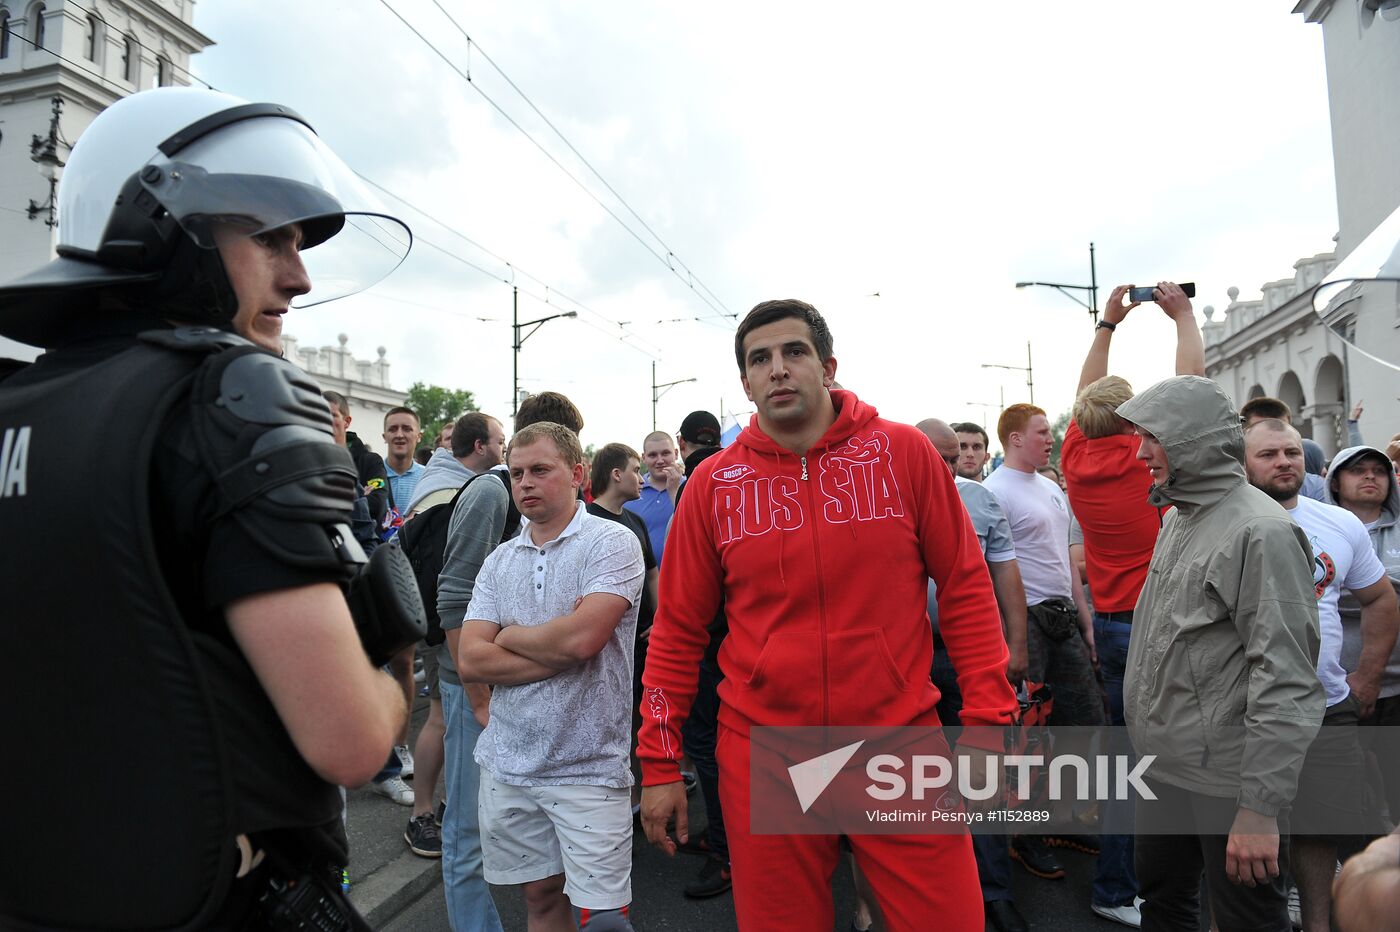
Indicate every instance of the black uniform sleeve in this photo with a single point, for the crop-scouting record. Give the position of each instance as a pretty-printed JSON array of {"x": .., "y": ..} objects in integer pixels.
[{"x": 269, "y": 492}]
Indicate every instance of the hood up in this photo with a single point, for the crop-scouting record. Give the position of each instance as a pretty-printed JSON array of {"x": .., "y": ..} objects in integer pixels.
[
  {"x": 1390, "y": 511},
  {"x": 1199, "y": 429}
]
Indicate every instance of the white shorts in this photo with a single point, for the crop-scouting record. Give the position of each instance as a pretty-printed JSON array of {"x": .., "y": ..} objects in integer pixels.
[{"x": 583, "y": 832}]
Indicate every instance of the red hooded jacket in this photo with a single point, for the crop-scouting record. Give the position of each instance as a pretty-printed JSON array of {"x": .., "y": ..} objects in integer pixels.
[{"x": 823, "y": 562}]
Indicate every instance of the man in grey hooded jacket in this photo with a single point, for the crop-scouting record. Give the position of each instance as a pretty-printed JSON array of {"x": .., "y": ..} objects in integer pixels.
[
  {"x": 1362, "y": 480},
  {"x": 1221, "y": 684}
]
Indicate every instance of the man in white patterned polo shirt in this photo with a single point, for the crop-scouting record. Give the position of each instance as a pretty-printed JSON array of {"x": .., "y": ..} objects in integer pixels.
[{"x": 551, "y": 625}]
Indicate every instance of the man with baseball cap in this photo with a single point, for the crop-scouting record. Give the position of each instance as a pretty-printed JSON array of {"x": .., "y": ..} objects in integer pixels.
[{"x": 699, "y": 436}]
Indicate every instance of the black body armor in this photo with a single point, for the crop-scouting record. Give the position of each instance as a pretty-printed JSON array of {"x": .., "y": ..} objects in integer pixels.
[{"x": 118, "y": 700}]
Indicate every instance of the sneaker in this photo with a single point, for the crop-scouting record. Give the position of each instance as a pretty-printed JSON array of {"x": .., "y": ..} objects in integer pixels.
[
  {"x": 423, "y": 836},
  {"x": 1126, "y": 915},
  {"x": 405, "y": 757},
  {"x": 1295, "y": 908},
  {"x": 1089, "y": 844},
  {"x": 1036, "y": 857},
  {"x": 394, "y": 789},
  {"x": 441, "y": 811},
  {"x": 714, "y": 879}
]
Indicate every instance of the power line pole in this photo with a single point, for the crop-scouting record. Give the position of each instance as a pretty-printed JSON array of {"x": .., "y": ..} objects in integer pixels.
[{"x": 658, "y": 390}]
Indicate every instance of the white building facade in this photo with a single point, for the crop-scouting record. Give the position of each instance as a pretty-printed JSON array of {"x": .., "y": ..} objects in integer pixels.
[
  {"x": 1276, "y": 345},
  {"x": 62, "y": 62},
  {"x": 364, "y": 383}
]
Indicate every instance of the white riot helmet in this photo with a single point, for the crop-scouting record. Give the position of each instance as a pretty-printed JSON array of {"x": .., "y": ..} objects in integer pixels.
[{"x": 158, "y": 172}]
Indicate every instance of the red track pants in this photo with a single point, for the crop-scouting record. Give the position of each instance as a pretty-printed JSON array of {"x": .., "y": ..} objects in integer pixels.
[{"x": 783, "y": 882}]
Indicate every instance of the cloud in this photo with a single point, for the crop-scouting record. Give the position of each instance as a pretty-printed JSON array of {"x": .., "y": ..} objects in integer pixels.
[{"x": 932, "y": 154}]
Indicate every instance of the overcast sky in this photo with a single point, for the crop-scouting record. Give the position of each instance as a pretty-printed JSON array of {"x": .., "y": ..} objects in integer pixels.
[{"x": 933, "y": 155}]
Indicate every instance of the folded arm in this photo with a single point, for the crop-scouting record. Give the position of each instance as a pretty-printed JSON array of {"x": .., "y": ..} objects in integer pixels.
[
  {"x": 481, "y": 660},
  {"x": 571, "y": 639}
]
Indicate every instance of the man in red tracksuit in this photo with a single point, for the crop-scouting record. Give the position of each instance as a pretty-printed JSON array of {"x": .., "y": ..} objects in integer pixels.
[{"x": 820, "y": 527}]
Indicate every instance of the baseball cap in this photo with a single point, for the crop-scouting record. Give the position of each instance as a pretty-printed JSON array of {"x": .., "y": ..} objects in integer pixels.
[{"x": 701, "y": 428}]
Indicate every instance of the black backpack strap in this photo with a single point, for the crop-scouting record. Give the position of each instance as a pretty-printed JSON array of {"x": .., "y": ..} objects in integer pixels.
[{"x": 513, "y": 515}]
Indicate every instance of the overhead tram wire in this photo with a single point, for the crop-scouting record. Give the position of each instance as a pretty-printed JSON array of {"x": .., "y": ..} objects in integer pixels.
[
  {"x": 544, "y": 299},
  {"x": 657, "y": 355},
  {"x": 589, "y": 165},
  {"x": 126, "y": 35},
  {"x": 549, "y": 155},
  {"x": 78, "y": 65},
  {"x": 507, "y": 263}
]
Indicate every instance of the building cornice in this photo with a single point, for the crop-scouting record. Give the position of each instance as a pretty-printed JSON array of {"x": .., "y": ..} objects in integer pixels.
[
  {"x": 1297, "y": 313},
  {"x": 158, "y": 17},
  {"x": 1314, "y": 11}
]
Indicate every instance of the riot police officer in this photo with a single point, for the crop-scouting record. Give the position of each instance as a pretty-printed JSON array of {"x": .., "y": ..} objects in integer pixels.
[{"x": 175, "y": 552}]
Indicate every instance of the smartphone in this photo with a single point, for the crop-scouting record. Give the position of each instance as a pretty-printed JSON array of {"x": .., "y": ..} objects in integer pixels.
[{"x": 1145, "y": 293}]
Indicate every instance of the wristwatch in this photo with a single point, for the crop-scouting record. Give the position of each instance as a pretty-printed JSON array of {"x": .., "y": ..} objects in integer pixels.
[{"x": 1106, "y": 325}]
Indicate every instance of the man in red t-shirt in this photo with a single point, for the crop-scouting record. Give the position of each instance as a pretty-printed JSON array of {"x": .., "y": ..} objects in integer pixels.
[{"x": 1108, "y": 489}]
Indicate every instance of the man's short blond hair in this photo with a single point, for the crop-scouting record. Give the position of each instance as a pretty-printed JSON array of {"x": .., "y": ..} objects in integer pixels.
[
  {"x": 1096, "y": 408},
  {"x": 565, "y": 440}
]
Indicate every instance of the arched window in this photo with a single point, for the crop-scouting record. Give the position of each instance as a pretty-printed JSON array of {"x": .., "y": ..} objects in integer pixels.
[
  {"x": 162, "y": 72},
  {"x": 129, "y": 59},
  {"x": 90, "y": 39},
  {"x": 38, "y": 17},
  {"x": 4, "y": 33}
]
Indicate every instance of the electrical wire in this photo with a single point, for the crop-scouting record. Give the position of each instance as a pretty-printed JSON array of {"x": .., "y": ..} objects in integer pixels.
[
  {"x": 78, "y": 65},
  {"x": 544, "y": 299},
  {"x": 514, "y": 269},
  {"x": 654, "y": 352},
  {"x": 670, "y": 260},
  {"x": 126, "y": 35},
  {"x": 670, "y": 253}
]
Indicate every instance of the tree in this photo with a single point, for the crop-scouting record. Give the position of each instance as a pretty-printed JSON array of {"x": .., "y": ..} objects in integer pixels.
[
  {"x": 1058, "y": 428},
  {"x": 435, "y": 406}
]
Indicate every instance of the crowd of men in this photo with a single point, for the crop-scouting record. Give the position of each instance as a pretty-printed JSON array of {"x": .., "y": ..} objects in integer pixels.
[
  {"x": 1192, "y": 572},
  {"x": 1178, "y": 573}
]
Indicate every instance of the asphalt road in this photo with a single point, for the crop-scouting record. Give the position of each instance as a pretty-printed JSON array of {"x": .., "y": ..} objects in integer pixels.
[
  {"x": 376, "y": 828},
  {"x": 657, "y": 881}
]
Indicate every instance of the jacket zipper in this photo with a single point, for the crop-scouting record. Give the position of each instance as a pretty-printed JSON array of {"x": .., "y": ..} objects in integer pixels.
[{"x": 821, "y": 596}]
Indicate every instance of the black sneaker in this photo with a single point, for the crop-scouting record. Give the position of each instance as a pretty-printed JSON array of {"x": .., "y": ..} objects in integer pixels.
[
  {"x": 1036, "y": 857},
  {"x": 713, "y": 880},
  {"x": 423, "y": 836},
  {"x": 1089, "y": 844}
]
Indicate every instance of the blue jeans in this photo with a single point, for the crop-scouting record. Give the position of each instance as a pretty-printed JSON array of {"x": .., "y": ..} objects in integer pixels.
[
  {"x": 469, "y": 903},
  {"x": 1115, "y": 880},
  {"x": 993, "y": 855},
  {"x": 700, "y": 732}
]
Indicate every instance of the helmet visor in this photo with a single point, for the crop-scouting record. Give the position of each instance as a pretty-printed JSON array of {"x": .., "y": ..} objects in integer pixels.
[
  {"x": 1365, "y": 283},
  {"x": 264, "y": 173}
]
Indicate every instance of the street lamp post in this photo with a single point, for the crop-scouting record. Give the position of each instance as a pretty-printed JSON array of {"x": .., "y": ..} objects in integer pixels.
[
  {"x": 658, "y": 390},
  {"x": 1028, "y": 369},
  {"x": 43, "y": 151},
  {"x": 516, "y": 327},
  {"x": 984, "y": 406},
  {"x": 1092, "y": 305}
]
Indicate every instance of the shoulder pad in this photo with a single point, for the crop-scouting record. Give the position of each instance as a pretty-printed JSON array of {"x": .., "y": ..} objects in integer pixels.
[
  {"x": 260, "y": 388},
  {"x": 264, "y": 432},
  {"x": 194, "y": 339}
]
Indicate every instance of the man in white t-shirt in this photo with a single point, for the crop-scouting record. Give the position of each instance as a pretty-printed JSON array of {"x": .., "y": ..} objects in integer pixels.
[
  {"x": 1059, "y": 628},
  {"x": 551, "y": 625},
  {"x": 1328, "y": 802}
]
